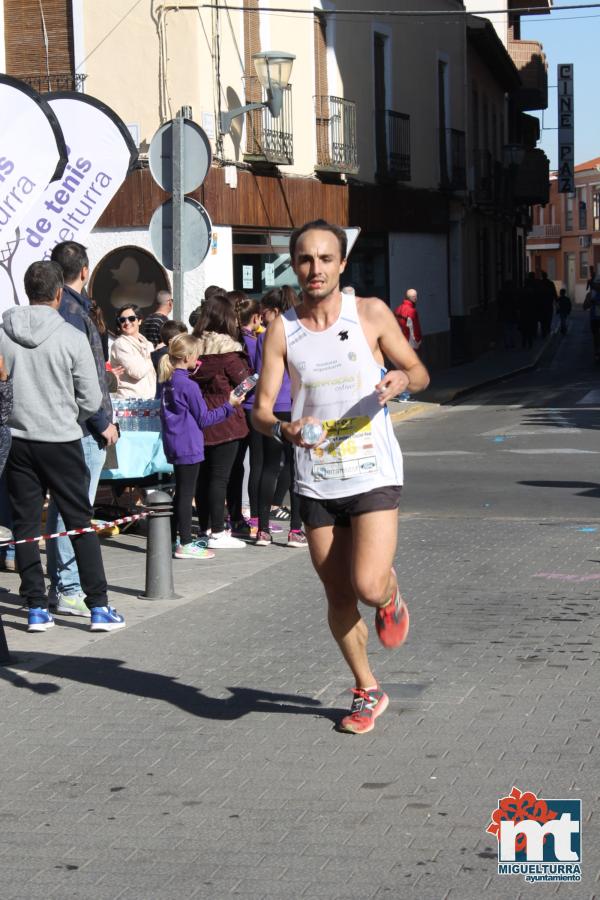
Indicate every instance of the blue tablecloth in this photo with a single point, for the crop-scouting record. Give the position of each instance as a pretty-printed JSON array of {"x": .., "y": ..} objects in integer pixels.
[{"x": 139, "y": 454}]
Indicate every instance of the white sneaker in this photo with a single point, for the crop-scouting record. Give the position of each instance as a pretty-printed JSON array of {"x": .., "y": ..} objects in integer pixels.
[{"x": 224, "y": 541}]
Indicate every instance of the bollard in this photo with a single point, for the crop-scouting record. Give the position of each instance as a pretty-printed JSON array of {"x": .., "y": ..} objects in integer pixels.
[
  {"x": 159, "y": 561},
  {"x": 4, "y": 654}
]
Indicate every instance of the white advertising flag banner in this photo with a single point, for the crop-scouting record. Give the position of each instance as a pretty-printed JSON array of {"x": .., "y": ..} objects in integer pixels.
[
  {"x": 100, "y": 154},
  {"x": 32, "y": 152}
]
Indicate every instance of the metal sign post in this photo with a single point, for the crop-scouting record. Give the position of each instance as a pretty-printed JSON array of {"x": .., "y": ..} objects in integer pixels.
[{"x": 178, "y": 195}]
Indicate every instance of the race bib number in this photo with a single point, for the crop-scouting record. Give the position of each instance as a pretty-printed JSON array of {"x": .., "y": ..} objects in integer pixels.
[{"x": 349, "y": 450}]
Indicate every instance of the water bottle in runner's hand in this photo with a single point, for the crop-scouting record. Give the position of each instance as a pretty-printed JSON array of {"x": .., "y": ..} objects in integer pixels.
[{"x": 312, "y": 432}]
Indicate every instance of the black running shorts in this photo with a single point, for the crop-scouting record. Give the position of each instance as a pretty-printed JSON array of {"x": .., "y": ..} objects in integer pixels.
[{"x": 317, "y": 513}]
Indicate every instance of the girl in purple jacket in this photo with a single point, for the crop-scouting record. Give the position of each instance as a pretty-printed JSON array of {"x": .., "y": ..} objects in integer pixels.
[{"x": 183, "y": 415}]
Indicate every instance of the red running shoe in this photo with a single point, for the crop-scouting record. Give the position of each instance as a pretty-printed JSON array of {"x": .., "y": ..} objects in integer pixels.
[
  {"x": 392, "y": 621},
  {"x": 366, "y": 706}
]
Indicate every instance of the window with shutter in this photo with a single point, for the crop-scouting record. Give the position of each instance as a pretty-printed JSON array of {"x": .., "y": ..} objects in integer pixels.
[
  {"x": 321, "y": 91},
  {"x": 38, "y": 37},
  {"x": 253, "y": 89}
]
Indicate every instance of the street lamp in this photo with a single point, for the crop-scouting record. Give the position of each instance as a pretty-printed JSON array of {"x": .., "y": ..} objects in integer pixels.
[
  {"x": 513, "y": 154},
  {"x": 273, "y": 69}
]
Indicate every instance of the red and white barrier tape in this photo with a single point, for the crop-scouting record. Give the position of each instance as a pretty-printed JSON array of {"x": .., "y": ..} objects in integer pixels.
[{"x": 100, "y": 527}]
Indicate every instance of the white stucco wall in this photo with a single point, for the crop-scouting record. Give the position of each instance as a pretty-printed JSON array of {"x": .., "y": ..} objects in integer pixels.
[
  {"x": 217, "y": 268},
  {"x": 420, "y": 261}
]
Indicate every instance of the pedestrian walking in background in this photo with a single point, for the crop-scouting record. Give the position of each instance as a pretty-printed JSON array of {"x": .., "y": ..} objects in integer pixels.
[
  {"x": 130, "y": 357},
  {"x": 591, "y": 276},
  {"x": 408, "y": 319},
  {"x": 350, "y": 478},
  {"x": 225, "y": 365},
  {"x": 563, "y": 308},
  {"x": 183, "y": 415},
  {"x": 66, "y": 593},
  {"x": 55, "y": 386},
  {"x": 152, "y": 324}
]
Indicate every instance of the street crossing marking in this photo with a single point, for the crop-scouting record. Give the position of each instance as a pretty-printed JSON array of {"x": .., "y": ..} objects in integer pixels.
[
  {"x": 440, "y": 453},
  {"x": 522, "y": 432},
  {"x": 552, "y": 450}
]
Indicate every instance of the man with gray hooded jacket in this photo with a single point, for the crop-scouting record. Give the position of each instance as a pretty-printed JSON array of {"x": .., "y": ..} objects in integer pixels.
[{"x": 55, "y": 386}]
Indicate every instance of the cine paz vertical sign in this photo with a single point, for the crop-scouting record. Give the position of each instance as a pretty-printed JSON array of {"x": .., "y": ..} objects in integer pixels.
[{"x": 566, "y": 130}]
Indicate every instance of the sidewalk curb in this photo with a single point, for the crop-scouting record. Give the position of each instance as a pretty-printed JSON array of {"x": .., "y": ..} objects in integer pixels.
[
  {"x": 450, "y": 395},
  {"x": 413, "y": 409}
]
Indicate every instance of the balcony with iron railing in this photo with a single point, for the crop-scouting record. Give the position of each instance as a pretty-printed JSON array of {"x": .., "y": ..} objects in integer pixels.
[
  {"x": 337, "y": 149},
  {"x": 392, "y": 136},
  {"x": 269, "y": 138},
  {"x": 530, "y": 60},
  {"x": 544, "y": 232},
  {"x": 453, "y": 160},
  {"x": 55, "y": 81}
]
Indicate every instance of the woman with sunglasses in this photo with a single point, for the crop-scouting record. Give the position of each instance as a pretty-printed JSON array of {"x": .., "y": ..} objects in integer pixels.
[{"x": 130, "y": 355}]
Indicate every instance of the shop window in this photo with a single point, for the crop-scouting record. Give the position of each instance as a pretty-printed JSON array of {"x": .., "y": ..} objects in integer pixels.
[{"x": 261, "y": 261}]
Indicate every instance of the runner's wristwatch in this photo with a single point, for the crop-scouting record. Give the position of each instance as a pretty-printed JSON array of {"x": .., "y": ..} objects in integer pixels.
[{"x": 277, "y": 432}]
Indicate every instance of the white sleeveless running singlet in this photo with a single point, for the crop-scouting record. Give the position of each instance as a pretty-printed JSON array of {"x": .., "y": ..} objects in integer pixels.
[{"x": 333, "y": 375}]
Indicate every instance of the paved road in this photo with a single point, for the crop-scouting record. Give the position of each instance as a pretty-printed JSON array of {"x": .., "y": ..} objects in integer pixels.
[{"x": 194, "y": 754}]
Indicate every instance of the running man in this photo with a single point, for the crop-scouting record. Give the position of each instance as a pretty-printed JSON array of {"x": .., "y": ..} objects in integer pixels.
[{"x": 333, "y": 346}]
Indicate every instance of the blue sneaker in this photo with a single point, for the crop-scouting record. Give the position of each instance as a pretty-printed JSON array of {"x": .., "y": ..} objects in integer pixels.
[
  {"x": 39, "y": 619},
  {"x": 106, "y": 618}
]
